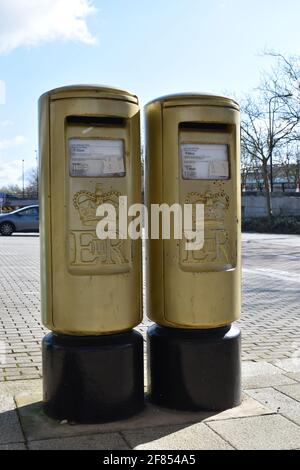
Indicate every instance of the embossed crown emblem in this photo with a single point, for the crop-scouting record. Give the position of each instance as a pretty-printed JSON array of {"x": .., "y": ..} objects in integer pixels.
[
  {"x": 87, "y": 202},
  {"x": 215, "y": 204}
]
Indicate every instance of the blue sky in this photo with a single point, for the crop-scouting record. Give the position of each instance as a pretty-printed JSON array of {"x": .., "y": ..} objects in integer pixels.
[{"x": 151, "y": 47}]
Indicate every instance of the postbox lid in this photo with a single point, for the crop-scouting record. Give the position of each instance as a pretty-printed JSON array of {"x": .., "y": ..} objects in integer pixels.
[
  {"x": 185, "y": 99},
  {"x": 91, "y": 91}
]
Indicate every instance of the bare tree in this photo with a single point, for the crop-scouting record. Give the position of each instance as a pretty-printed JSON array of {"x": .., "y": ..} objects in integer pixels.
[
  {"x": 270, "y": 121},
  {"x": 32, "y": 183},
  {"x": 13, "y": 189},
  {"x": 246, "y": 168},
  {"x": 284, "y": 83},
  {"x": 288, "y": 165},
  {"x": 31, "y": 186}
]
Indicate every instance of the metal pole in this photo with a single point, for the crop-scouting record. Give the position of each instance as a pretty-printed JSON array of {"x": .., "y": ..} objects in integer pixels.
[
  {"x": 23, "y": 178},
  {"x": 37, "y": 174},
  {"x": 271, "y": 122},
  {"x": 271, "y": 172},
  {"x": 298, "y": 174}
]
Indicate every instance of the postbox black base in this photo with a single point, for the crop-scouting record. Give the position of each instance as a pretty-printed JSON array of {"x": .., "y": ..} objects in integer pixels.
[
  {"x": 194, "y": 369},
  {"x": 93, "y": 379}
]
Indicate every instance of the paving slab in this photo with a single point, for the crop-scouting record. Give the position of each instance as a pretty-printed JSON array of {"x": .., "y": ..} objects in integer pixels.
[
  {"x": 7, "y": 402},
  {"x": 13, "y": 447},
  {"x": 261, "y": 368},
  {"x": 293, "y": 375},
  {"x": 10, "y": 429},
  {"x": 263, "y": 381},
  {"x": 259, "y": 433},
  {"x": 278, "y": 403},
  {"x": 21, "y": 386},
  {"x": 288, "y": 365},
  {"x": 37, "y": 426},
  {"x": 247, "y": 408},
  {"x": 92, "y": 442},
  {"x": 292, "y": 391},
  {"x": 195, "y": 437}
]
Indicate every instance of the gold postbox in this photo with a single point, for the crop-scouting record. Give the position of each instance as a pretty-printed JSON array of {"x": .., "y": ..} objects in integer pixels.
[
  {"x": 192, "y": 157},
  {"x": 89, "y": 155}
]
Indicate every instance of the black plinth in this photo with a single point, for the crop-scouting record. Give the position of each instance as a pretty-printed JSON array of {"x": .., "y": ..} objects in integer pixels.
[
  {"x": 93, "y": 379},
  {"x": 194, "y": 369}
]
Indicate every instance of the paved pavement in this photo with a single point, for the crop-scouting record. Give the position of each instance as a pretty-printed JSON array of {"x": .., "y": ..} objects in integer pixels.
[
  {"x": 271, "y": 302},
  {"x": 20, "y": 326},
  {"x": 270, "y": 319},
  {"x": 269, "y": 416}
]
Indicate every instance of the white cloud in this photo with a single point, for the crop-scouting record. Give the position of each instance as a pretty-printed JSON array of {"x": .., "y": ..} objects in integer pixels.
[
  {"x": 6, "y": 123},
  {"x": 2, "y": 87},
  {"x": 10, "y": 170},
  {"x": 11, "y": 143},
  {"x": 10, "y": 173},
  {"x": 30, "y": 22}
]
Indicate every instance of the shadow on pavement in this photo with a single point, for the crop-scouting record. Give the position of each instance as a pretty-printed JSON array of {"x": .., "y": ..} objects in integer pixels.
[{"x": 140, "y": 431}]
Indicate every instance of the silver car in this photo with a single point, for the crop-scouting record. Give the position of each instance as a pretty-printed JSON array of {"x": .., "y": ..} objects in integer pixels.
[{"x": 21, "y": 220}]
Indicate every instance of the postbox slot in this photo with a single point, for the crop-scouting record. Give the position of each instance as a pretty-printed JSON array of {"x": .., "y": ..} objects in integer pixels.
[
  {"x": 96, "y": 121},
  {"x": 206, "y": 127}
]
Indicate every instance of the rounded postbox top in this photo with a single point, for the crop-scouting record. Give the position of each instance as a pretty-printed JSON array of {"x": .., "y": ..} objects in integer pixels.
[
  {"x": 91, "y": 91},
  {"x": 187, "y": 99}
]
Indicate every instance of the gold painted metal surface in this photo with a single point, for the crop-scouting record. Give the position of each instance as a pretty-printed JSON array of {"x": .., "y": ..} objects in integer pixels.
[
  {"x": 88, "y": 286},
  {"x": 194, "y": 289}
]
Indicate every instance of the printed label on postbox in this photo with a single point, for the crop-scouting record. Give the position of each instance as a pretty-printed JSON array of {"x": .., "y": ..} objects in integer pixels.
[
  {"x": 96, "y": 158},
  {"x": 205, "y": 161}
]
